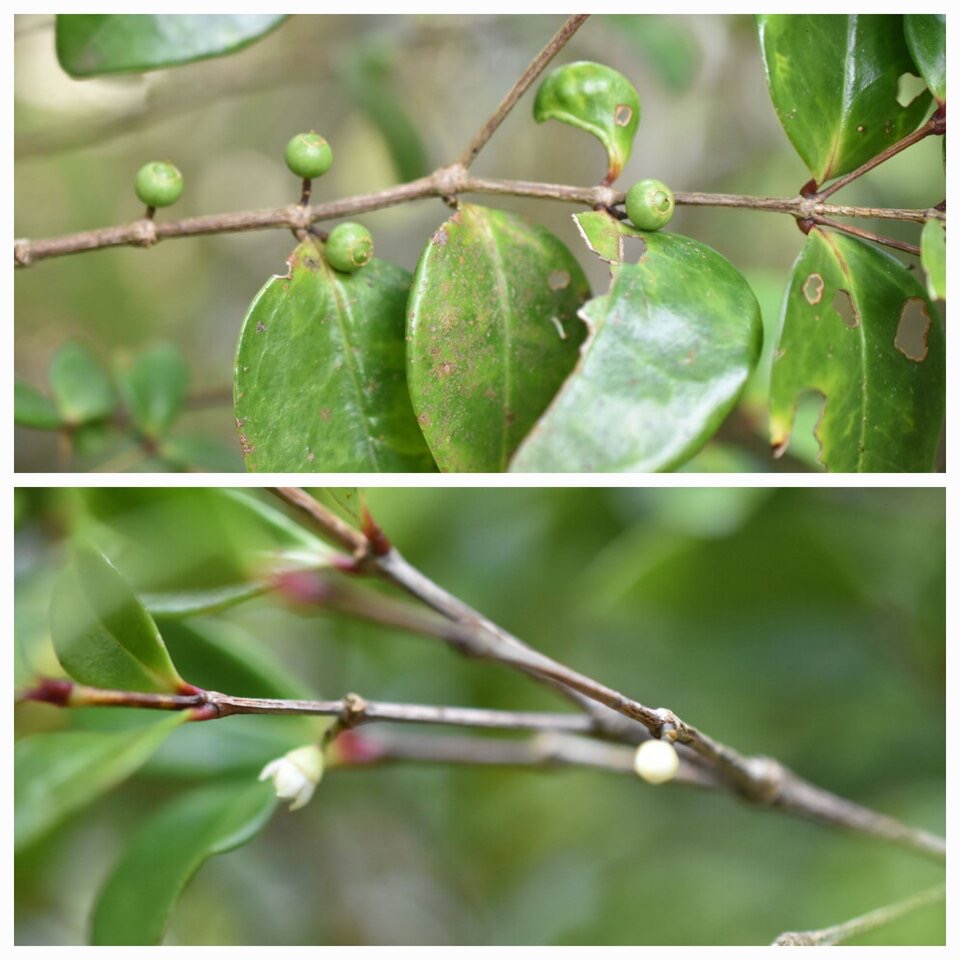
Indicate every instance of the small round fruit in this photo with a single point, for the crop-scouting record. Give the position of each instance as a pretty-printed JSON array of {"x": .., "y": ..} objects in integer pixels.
[
  {"x": 650, "y": 204},
  {"x": 308, "y": 155},
  {"x": 656, "y": 761},
  {"x": 158, "y": 184},
  {"x": 349, "y": 247}
]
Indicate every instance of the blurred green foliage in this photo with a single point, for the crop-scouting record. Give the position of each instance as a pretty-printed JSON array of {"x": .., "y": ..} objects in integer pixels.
[
  {"x": 805, "y": 624},
  {"x": 394, "y": 95}
]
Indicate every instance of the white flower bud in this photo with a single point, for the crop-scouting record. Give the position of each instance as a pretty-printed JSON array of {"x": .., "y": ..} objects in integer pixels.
[
  {"x": 656, "y": 761},
  {"x": 296, "y": 774}
]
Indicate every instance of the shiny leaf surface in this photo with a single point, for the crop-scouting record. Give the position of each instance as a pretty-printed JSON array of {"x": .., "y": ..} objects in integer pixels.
[
  {"x": 492, "y": 332},
  {"x": 320, "y": 383},
  {"x": 933, "y": 256},
  {"x": 926, "y": 35},
  {"x": 834, "y": 84},
  {"x": 670, "y": 349},
  {"x": 859, "y": 329}
]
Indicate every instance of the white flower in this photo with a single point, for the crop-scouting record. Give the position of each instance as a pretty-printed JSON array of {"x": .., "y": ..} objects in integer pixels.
[
  {"x": 296, "y": 774},
  {"x": 656, "y": 761}
]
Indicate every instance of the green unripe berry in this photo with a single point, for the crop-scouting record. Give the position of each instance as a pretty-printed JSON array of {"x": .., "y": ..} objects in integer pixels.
[
  {"x": 650, "y": 204},
  {"x": 158, "y": 184},
  {"x": 308, "y": 155},
  {"x": 349, "y": 247}
]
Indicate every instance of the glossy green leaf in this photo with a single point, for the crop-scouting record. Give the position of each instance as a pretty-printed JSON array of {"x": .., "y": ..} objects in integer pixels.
[
  {"x": 101, "y": 632},
  {"x": 595, "y": 98},
  {"x": 319, "y": 381},
  {"x": 606, "y": 236},
  {"x": 858, "y": 328},
  {"x": 81, "y": 386},
  {"x": 89, "y": 45},
  {"x": 834, "y": 81},
  {"x": 926, "y": 35},
  {"x": 492, "y": 332},
  {"x": 57, "y": 774},
  {"x": 933, "y": 256},
  {"x": 154, "y": 388},
  {"x": 670, "y": 349},
  {"x": 31, "y": 408},
  {"x": 138, "y": 898}
]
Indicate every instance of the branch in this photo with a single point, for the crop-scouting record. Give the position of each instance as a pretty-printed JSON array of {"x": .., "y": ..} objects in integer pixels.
[
  {"x": 911, "y": 248},
  {"x": 863, "y": 924},
  {"x": 537, "y": 67}
]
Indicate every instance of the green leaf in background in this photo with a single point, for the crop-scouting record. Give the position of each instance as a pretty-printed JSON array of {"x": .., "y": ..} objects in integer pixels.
[
  {"x": 367, "y": 79},
  {"x": 859, "y": 329},
  {"x": 926, "y": 35},
  {"x": 31, "y": 408},
  {"x": 101, "y": 632},
  {"x": 89, "y": 45},
  {"x": 492, "y": 331},
  {"x": 667, "y": 45},
  {"x": 670, "y": 349},
  {"x": 319, "y": 381},
  {"x": 834, "y": 83},
  {"x": 194, "y": 551},
  {"x": 56, "y": 774},
  {"x": 153, "y": 388},
  {"x": 595, "y": 98},
  {"x": 80, "y": 384},
  {"x": 933, "y": 256},
  {"x": 138, "y": 898}
]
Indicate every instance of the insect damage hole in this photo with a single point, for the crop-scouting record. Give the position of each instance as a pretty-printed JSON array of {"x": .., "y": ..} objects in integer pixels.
[
  {"x": 623, "y": 114},
  {"x": 909, "y": 87},
  {"x": 636, "y": 245},
  {"x": 843, "y": 305},
  {"x": 913, "y": 331},
  {"x": 813, "y": 288}
]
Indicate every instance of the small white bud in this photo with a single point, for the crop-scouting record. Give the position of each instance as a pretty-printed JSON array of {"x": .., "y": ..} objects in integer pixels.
[
  {"x": 656, "y": 761},
  {"x": 296, "y": 774}
]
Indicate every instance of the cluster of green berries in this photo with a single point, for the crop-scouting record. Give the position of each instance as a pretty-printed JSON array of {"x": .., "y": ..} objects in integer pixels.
[
  {"x": 308, "y": 155},
  {"x": 650, "y": 204}
]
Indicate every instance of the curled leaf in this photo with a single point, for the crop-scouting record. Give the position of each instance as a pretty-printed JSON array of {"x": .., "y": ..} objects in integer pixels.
[{"x": 595, "y": 98}]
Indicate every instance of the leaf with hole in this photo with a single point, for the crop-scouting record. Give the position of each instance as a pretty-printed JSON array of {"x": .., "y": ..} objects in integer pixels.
[
  {"x": 933, "y": 256},
  {"x": 320, "y": 382},
  {"x": 834, "y": 81},
  {"x": 90, "y": 45},
  {"x": 101, "y": 632},
  {"x": 81, "y": 386},
  {"x": 154, "y": 387},
  {"x": 595, "y": 98},
  {"x": 670, "y": 349},
  {"x": 926, "y": 35},
  {"x": 492, "y": 331},
  {"x": 858, "y": 329},
  {"x": 33, "y": 409},
  {"x": 135, "y": 904},
  {"x": 57, "y": 774}
]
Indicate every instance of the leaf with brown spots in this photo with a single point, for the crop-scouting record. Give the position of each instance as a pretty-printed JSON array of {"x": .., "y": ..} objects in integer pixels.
[
  {"x": 319, "y": 382},
  {"x": 872, "y": 344},
  {"x": 492, "y": 331}
]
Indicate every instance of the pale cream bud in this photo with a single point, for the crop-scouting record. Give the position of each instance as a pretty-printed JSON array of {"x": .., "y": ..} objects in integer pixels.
[
  {"x": 296, "y": 774},
  {"x": 656, "y": 761}
]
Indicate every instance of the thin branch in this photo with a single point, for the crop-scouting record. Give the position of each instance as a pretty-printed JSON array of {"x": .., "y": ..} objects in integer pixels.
[
  {"x": 935, "y": 126},
  {"x": 869, "y": 235},
  {"x": 862, "y": 924},
  {"x": 537, "y": 66}
]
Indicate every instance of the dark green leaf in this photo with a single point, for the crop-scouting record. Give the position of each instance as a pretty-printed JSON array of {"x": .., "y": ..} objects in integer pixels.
[
  {"x": 80, "y": 384},
  {"x": 320, "y": 382},
  {"x": 595, "y": 98},
  {"x": 926, "y": 35},
  {"x": 671, "y": 347},
  {"x": 189, "y": 551},
  {"x": 56, "y": 774},
  {"x": 154, "y": 388},
  {"x": 89, "y": 45},
  {"x": 101, "y": 632},
  {"x": 138, "y": 898},
  {"x": 492, "y": 332},
  {"x": 834, "y": 82},
  {"x": 31, "y": 408},
  {"x": 933, "y": 256},
  {"x": 858, "y": 328}
]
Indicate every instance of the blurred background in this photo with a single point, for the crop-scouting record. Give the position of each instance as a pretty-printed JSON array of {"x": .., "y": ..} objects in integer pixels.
[
  {"x": 396, "y": 96},
  {"x": 804, "y": 624}
]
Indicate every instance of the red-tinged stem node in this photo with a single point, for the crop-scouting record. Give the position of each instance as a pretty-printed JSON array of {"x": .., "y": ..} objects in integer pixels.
[
  {"x": 379, "y": 542},
  {"x": 56, "y": 692}
]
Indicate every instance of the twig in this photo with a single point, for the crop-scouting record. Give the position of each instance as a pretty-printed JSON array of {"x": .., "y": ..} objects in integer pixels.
[
  {"x": 537, "y": 66},
  {"x": 869, "y": 235},
  {"x": 862, "y": 924}
]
